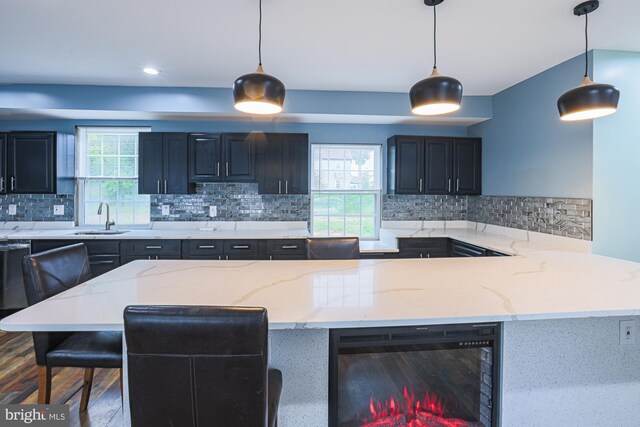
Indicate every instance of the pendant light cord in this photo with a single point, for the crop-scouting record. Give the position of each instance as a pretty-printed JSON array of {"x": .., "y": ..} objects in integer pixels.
[
  {"x": 260, "y": 37},
  {"x": 434, "y": 39},
  {"x": 586, "y": 45}
]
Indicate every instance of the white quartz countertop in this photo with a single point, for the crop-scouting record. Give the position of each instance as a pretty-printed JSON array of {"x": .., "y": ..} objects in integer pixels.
[{"x": 547, "y": 278}]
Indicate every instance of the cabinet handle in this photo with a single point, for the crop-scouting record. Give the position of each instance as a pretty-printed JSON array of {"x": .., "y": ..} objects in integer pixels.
[
  {"x": 1, "y": 183},
  {"x": 206, "y": 246},
  {"x": 457, "y": 184},
  {"x": 421, "y": 256},
  {"x": 158, "y": 186},
  {"x": 154, "y": 247},
  {"x": 279, "y": 187},
  {"x": 227, "y": 257},
  {"x": 240, "y": 246},
  {"x": 286, "y": 186},
  {"x": 227, "y": 167},
  {"x": 290, "y": 247},
  {"x": 449, "y": 185},
  {"x": 165, "y": 186},
  {"x": 101, "y": 262},
  {"x": 13, "y": 183},
  {"x": 218, "y": 172},
  {"x": 420, "y": 184},
  {"x": 157, "y": 257},
  {"x": 270, "y": 257}
]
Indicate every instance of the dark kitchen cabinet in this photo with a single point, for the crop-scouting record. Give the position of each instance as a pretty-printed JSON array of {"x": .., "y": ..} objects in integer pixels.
[
  {"x": 3, "y": 163},
  {"x": 286, "y": 249},
  {"x": 467, "y": 160},
  {"x": 205, "y": 157},
  {"x": 239, "y": 152},
  {"x": 283, "y": 164},
  {"x": 423, "y": 247},
  {"x": 163, "y": 163},
  {"x": 38, "y": 163},
  {"x": 434, "y": 165},
  {"x": 150, "y": 249}
]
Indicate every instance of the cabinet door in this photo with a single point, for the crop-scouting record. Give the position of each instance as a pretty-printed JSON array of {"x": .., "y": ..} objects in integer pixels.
[
  {"x": 175, "y": 164},
  {"x": 409, "y": 165},
  {"x": 270, "y": 163},
  {"x": 205, "y": 152},
  {"x": 467, "y": 160},
  {"x": 240, "y": 157},
  {"x": 438, "y": 174},
  {"x": 295, "y": 164},
  {"x": 31, "y": 162},
  {"x": 150, "y": 155},
  {"x": 3, "y": 163}
]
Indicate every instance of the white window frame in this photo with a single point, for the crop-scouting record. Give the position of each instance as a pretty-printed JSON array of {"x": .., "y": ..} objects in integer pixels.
[
  {"x": 376, "y": 192},
  {"x": 81, "y": 178}
]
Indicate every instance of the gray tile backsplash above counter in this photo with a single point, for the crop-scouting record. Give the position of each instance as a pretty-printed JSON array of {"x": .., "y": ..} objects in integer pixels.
[{"x": 241, "y": 202}]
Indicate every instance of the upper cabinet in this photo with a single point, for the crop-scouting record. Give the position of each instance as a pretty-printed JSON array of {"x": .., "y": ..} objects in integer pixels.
[
  {"x": 227, "y": 157},
  {"x": 434, "y": 165},
  {"x": 239, "y": 153},
  {"x": 37, "y": 163},
  {"x": 283, "y": 163},
  {"x": 163, "y": 163}
]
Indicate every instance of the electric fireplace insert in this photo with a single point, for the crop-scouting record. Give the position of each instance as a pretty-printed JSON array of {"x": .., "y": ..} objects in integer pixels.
[{"x": 421, "y": 376}]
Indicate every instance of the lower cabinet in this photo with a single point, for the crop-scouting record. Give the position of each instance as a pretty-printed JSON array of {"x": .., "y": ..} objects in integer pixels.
[
  {"x": 378, "y": 255},
  {"x": 150, "y": 249},
  {"x": 462, "y": 249},
  {"x": 294, "y": 249},
  {"x": 423, "y": 248}
]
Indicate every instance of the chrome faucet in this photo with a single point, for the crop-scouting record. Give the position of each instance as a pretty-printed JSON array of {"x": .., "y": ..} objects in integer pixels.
[{"x": 108, "y": 224}]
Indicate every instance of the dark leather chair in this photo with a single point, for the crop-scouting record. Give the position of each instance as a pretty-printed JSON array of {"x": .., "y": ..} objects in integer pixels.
[
  {"x": 200, "y": 366},
  {"x": 47, "y": 274},
  {"x": 333, "y": 248}
]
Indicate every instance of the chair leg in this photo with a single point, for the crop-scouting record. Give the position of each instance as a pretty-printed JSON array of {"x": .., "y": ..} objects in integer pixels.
[
  {"x": 121, "y": 384},
  {"x": 44, "y": 385},
  {"x": 86, "y": 389}
]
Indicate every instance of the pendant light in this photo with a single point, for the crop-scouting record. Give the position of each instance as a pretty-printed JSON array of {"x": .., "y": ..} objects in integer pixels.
[
  {"x": 589, "y": 100},
  {"x": 436, "y": 94},
  {"x": 258, "y": 92}
]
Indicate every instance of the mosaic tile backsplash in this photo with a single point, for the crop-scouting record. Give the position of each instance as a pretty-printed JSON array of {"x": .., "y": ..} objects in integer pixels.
[
  {"x": 424, "y": 208},
  {"x": 562, "y": 217},
  {"x": 234, "y": 202},
  {"x": 36, "y": 207}
]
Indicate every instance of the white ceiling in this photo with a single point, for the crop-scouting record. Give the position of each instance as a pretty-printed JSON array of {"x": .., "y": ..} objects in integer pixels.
[{"x": 362, "y": 45}]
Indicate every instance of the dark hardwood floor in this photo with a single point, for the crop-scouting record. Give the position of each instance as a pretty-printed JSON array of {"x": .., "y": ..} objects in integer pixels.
[{"x": 19, "y": 384}]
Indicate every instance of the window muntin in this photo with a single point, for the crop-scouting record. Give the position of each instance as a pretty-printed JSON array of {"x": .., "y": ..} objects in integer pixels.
[
  {"x": 107, "y": 171},
  {"x": 346, "y": 190}
]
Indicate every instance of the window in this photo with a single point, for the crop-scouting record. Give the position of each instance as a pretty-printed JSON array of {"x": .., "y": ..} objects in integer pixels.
[
  {"x": 345, "y": 190},
  {"x": 107, "y": 171}
]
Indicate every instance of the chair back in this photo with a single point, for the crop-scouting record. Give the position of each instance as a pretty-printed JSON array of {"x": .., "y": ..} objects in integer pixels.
[
  {"x": 333, "y": 248},
  {"x": 47, "y": 274},
  {"x": 197, "y": 366}
]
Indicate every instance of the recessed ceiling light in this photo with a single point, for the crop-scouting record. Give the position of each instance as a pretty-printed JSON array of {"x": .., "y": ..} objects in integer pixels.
[{"x": 151, "y": 71}]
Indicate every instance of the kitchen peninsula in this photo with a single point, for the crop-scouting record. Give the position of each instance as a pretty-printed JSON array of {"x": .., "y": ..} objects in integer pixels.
[{"x": 553, "y": 296}]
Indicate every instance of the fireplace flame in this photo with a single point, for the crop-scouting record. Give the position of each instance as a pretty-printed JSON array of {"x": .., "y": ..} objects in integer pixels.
[{"x": 411, "y": 412}]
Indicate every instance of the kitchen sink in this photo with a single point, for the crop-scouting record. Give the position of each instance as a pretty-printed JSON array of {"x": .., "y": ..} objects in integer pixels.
[{"x": 100, "y": 232}]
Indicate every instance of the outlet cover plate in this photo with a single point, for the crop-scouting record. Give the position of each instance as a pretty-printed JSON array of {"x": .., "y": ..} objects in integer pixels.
[
  {"x": 13, "y": 209},
  {"x": 166, "y": 210},
  {"x": 213, "y": 211},
  {"x": 628, "y": 332},
  {"x": 58, "y": 209}
]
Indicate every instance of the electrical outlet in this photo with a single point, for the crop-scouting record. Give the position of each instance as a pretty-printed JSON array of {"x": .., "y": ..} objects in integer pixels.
[
  {"x": 58, "y": 209},
  {"x": 213, "y": 211},
  {"x": 166, "y": 210},
  {"x": 13, "y": 209},
  {"x": 628, "y": 332}
]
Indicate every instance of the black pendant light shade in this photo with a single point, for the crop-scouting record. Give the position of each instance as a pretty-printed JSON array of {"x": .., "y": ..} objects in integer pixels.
[
  {"x": 435, "y": 95},
  {"x": 258, "y": 93},
  {"x": 589, "y": 100}
]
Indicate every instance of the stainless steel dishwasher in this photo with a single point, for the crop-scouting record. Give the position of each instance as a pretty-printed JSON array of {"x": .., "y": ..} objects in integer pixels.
[{"x": 12, "y": 294}]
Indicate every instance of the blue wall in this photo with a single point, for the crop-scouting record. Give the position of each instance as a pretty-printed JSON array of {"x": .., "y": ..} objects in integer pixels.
[
  {"x": 527, "y": 149},
  {"x": 616, "y": 153}
]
